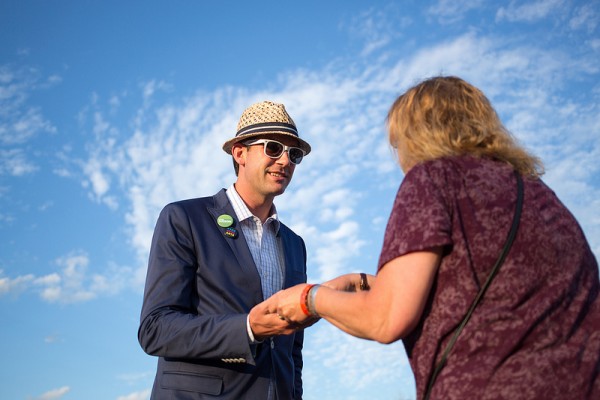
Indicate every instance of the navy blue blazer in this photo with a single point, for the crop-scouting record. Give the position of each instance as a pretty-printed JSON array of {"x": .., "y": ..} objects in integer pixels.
[{"x": 200, "y": 287}]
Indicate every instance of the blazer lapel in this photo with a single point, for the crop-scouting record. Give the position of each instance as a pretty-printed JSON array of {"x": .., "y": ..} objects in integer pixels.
[
  {"x": 288, "y": 255},
  {"x": 237, "y": 243}
]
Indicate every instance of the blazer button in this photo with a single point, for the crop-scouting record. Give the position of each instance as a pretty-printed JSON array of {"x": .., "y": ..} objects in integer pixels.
[{"x": 272, "y": 343}]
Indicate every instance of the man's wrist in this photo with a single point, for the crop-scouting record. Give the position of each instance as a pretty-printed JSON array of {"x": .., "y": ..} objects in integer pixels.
[{"x": 251, "y": 337}]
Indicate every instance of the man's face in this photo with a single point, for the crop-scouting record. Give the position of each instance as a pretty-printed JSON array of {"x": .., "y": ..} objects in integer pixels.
[{"x": 262, "y": 175}]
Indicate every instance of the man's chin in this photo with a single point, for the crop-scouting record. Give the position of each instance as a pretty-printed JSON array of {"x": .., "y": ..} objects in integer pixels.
[{"x": 279, "y": 190}]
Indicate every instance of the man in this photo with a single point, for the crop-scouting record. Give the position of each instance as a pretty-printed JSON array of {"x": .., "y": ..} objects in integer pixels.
[{"x": 212, "y": 262}]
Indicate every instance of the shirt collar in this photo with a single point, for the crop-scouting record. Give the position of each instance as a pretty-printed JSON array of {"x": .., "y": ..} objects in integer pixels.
[{"x": 242, "y": 211}]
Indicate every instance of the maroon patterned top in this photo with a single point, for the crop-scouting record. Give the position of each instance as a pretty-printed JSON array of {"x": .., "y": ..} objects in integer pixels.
[{"x": 536, "y": 332}]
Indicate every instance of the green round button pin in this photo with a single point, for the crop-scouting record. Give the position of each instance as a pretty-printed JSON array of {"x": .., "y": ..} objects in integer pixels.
[{"x": 225, "y": 220}]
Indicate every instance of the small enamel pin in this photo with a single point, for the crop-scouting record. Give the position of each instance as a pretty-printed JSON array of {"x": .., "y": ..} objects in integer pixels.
[
  {"x": 230, "y": 232},
  {"x": 226, "y": 221}
]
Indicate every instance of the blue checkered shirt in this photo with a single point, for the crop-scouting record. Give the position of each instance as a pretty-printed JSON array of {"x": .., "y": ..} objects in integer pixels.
[
  {"x": 266, "y": 251},
  {"x": 262, "y": 240}
]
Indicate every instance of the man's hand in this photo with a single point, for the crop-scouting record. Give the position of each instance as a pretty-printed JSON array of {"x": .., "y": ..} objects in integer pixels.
[{"x": 265, "y": 322}]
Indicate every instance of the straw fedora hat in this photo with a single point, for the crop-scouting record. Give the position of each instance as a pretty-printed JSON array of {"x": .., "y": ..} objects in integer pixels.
[{"x": 265, "y": 119}]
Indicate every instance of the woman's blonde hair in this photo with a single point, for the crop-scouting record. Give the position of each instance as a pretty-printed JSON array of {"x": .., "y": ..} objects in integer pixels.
[{"x": 445, "y": 117}]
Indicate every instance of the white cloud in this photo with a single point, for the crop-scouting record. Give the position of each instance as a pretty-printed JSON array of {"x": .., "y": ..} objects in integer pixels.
[
  {"x": 54, "y": 394},
  {"x": 53, "y": 80},
  {"x": 585, "y": 17},
  {"x": 6, "y": 218},
  {"x": 376, "y": 28},
  {"x": 23, "y": 126},
  {"x": 141, "y": 395},
  {"x": 150, "y": 88},
  {"x": 173, "y": 149},
  {"x": 72, "y": 283},
  {"x": 528, "y": 11},
  {"x": 99, "y": 183},
  {"x": 52, "y": 339},
  {"x": 20, "y": 122},
  {"x": 135, "y": 378},
  {"x": 332, "y": 356},
  {"x": 14, "y": 162},
  {"x": 335, "y": 249},
  {"x": 14, "y": 285},
  {"x": 452, "y": 11},
  {"x": 68, "y": 285}
]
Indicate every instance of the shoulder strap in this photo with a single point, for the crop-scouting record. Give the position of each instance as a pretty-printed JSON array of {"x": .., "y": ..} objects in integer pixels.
[{"x": 496, "y": 267}]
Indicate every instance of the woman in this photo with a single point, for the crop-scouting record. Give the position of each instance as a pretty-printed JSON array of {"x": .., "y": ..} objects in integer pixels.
[{"x": 535, "y": 334}]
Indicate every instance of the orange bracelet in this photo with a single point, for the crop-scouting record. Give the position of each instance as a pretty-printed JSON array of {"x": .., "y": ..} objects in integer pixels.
[{"x": 304, "y": 299}]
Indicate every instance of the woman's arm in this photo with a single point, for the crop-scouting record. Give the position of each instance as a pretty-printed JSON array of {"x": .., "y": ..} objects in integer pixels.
[
  {"x": 387, "y": 312},
  {"x": 350, "y": 282}
]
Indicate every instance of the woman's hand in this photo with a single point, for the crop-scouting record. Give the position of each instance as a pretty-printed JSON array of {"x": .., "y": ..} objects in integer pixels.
[
  {"x": 288, "y": 305},
  {"x": 349, "y": 282}
]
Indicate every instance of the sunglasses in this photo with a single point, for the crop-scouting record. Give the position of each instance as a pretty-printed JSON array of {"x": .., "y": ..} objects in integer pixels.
[{"x": 274, "y": 149}]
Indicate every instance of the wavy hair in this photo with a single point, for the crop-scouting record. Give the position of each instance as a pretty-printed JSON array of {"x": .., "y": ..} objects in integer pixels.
[{"x": 446, "y": 117}]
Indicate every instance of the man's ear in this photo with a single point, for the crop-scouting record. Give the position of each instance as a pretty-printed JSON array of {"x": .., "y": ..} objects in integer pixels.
[{"x": 238, "y": 151}]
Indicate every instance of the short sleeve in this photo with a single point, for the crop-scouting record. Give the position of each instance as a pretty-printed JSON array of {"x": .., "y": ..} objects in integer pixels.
[{"x": 420, "y": 217}]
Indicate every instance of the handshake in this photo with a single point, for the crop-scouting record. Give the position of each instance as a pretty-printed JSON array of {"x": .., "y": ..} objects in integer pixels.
[{"x": 295, "y": 308}]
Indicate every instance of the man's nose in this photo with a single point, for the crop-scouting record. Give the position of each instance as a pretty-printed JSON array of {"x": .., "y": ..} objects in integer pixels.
[{"x": 284, "y": 159}]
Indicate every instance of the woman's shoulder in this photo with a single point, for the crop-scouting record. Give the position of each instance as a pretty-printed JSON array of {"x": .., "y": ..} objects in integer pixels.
[{"x": 460, "y": 168}]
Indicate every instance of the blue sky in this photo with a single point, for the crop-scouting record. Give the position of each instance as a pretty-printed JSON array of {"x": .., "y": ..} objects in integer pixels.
[{"x": 111, "y": 109}]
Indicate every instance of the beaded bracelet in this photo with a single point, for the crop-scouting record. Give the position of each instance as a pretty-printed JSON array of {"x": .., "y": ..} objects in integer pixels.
[
  {"x": 312, "y": 293},
  {"x": 304, "y": 299}
]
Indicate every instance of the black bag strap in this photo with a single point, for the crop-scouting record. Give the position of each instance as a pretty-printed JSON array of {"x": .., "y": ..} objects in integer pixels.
[{"x": 496, "y": 267}]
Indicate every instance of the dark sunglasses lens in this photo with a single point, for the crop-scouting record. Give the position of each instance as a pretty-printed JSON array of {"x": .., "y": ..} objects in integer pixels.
[
  {"x": 273, "y": 149},
  {"x": 295, "y": 155}
]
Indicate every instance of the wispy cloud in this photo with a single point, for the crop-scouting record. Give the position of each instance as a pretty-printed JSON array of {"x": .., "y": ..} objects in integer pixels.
[
  {"x": 343, "y": 358},
  {"x": 14, "y": 162},
  {"x": 19, "y": 120},
  {"x": 586, "y": 17},
  {"x": 529, "y": 11},
  {"x": 173, "y": 149},
  {"x": 72, "y": 282},
  {"x": 54, "y": 394},
  {"x": 51, "y": 339},
  {"x": 134, "y": 379},
  {"x": 452, "y": 11},
  {"x": 16, "y": 285},
  {"x": 376, "y": 28},
  {"x": 141, "y": 395},
  {"x": 67, "y": 286}
]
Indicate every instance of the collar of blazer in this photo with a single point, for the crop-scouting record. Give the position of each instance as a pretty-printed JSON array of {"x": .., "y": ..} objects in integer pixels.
[{"x": 240, "y": 252}]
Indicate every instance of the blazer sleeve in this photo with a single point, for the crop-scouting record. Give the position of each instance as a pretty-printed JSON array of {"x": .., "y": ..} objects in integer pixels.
[
  {"x": 298, "y": 363},
  {"x": 172, "y": 324},
  {"x": 295, "y": 245}
]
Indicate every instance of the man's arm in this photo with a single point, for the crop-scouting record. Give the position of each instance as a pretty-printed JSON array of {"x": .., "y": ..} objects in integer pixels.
[{"x": 170, "y": 324}]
